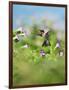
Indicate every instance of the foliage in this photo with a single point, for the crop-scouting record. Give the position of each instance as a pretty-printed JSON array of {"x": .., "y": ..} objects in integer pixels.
[{"x": 30, "y": 68}]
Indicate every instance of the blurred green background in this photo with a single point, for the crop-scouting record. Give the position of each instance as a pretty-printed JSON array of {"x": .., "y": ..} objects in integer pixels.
[{"x": 30, "y": 68}]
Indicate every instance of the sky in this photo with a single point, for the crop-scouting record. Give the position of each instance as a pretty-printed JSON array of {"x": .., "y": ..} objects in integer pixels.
[{"x": 26, "y": 14}]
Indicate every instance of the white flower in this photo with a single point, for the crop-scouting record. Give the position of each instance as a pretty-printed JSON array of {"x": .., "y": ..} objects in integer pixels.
[
  {"x": 16, "y": 37},
  {"x": 61, "y": 53},
  {"x": 25, "y": 46},
  {"x": 57, "y": 45},
  {"x": 20, "y": 29}
]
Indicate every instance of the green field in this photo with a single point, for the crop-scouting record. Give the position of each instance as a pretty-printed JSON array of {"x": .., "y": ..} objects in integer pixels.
[{"x": 30, "y": 68}]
